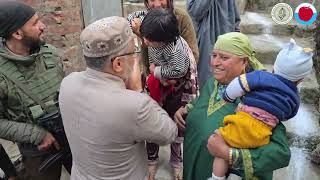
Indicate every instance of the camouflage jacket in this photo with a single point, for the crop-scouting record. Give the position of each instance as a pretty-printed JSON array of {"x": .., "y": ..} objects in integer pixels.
[{"x": 42, "y": 73}]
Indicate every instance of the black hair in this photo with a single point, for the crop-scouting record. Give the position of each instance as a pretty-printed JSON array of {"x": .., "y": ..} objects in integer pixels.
[
  {"x": 160, "y": 25},
  {"x": 248, "y": 67}
]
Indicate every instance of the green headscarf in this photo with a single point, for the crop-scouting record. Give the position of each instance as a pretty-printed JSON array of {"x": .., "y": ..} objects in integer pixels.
[{"x": 238, "y": 44}]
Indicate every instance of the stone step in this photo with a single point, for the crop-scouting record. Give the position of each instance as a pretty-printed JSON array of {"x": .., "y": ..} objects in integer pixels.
[
  {"x": 262, "y": 23},
  {"x": 308, "y": 88},
  {"x": 267, "y": 46}
]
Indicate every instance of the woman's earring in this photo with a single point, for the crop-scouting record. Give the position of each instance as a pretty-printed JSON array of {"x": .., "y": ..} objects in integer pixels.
[{"x": 244, "y": 70}]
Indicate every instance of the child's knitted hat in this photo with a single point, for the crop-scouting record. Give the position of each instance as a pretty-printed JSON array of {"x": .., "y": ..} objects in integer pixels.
[{"x": 293, "y": 62}]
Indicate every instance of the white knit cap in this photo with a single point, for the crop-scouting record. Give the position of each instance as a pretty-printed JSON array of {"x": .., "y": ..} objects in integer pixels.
[{"x": 293, "y": 62}]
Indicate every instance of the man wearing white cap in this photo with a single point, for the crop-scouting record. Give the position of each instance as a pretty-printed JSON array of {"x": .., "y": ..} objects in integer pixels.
[{"x": 106, "y": 123}]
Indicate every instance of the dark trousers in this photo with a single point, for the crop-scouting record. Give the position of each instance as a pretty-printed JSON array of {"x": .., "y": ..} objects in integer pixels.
[
  {"x": 32, "y": 165},
  {"x": 175, "y": 155},
  {"x": 6, "y": 164},
  {"x": 53, "y": 172}
]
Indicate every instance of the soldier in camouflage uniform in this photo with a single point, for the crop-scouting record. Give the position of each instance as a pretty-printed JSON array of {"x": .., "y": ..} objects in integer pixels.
[{"x": 28, "y": 66}]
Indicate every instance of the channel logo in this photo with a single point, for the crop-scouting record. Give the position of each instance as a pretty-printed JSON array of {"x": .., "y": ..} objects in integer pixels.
[
  {"x": 305, "y": 14},
  {"x": 282, "y": 13}
]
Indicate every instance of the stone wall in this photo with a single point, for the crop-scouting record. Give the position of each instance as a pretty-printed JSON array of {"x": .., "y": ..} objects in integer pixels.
[
  {"x": 64, "y": 22},
  {"x": 316, "y": 59},
  {"x": 94, "y": 10}
]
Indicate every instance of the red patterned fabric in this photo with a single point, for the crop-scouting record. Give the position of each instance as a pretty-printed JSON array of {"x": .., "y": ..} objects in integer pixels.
[{"x": 156, "y": 89}]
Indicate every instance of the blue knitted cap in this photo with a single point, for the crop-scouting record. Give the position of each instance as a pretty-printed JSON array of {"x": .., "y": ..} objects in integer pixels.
[{"x": 293, "y": 62}]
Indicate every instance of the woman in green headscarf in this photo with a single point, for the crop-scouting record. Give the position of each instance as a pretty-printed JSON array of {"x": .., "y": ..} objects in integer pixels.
[{"x": 232, "y": 56}]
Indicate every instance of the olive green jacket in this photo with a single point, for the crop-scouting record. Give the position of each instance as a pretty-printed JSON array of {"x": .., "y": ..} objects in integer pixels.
[{"x": 42, "y": 74}]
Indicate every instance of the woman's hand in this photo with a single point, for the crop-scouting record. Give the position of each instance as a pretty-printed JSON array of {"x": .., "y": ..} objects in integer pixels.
[
  {"x": 152, "y": 67},
  {"x": 136, "y": 23},
  {"x": 218, "y": 147},
  {"x": 179, "y": 117}
]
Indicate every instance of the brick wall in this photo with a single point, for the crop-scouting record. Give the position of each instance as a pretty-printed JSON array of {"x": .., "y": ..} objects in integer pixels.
[{"x": 63, "y": 19}]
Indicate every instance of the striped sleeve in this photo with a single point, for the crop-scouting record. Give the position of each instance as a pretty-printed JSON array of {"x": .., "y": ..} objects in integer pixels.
[
  {"x": 178, "y": 60},
  {"x": 177, "y": 67},
  {"x": 136, "y": 14},
  {"x": 173, "y": 59},
  {"x": 154, "y": 56}
]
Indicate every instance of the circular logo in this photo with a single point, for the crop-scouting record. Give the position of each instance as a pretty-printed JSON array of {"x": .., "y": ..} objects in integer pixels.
[
  {"x": 305, "y": 14},
  {"x": 282, "y": 13}
]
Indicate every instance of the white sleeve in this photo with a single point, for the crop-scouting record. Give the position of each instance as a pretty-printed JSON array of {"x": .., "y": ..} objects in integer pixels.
[{"x": 233, "y": 90}]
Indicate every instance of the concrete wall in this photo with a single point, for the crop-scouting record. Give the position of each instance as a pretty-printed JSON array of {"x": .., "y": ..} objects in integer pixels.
[
  {"x": 241, "y": 4},
  {"x": 97, "y": 9}
]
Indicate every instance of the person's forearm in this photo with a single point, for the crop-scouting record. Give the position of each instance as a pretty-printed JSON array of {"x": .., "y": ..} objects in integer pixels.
[
  {"x": 164, "y": 72},
  {"x": 165, "y": 130},
  {"x": 154, "y": 124},
  {"x": 171, "y": 71},
  {"x": 21, "y": 132}
]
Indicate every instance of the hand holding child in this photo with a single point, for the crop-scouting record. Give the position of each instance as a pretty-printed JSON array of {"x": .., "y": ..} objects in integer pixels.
[{"x": 136, "y": 23}]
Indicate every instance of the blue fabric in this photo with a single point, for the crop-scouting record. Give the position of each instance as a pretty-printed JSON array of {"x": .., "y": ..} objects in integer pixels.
[
  {"x": 273, "y": 94},
  {"x": 293, "y": 62},
  {"x": 211, "y": 18}
]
